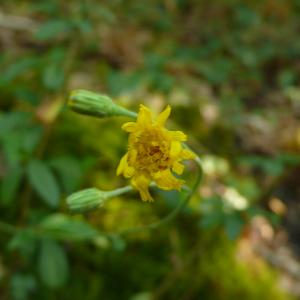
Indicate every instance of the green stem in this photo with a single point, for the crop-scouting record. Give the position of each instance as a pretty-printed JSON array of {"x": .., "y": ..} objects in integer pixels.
[
  {"x": 120, "y": 191},
  {"x": 175, "y": 212},
  {"x": 127, "y": 113}
]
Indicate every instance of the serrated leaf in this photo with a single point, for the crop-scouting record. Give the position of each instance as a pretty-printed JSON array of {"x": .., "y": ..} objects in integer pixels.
[
  {"x": 53, "y": 264},
  {"x": 44, "y": 183},
  {"x": 60, "y": 226}
]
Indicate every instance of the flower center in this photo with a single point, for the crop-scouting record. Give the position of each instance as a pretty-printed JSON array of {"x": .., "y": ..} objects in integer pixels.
[{"x": 153, "y": 147}]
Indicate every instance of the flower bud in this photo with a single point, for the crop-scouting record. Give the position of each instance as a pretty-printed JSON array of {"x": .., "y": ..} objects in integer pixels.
[
  {"x": 90, "y": 199},
  {"x": 93, "y": 104},
  {"x": 86, "y": 200}
]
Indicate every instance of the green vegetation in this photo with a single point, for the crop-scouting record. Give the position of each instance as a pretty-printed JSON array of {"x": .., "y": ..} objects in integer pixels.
[{"x": 229, "y": 69}]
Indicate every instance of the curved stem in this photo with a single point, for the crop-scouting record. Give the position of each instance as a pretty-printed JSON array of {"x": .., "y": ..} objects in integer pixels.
[{"x": 173, "y": 213}]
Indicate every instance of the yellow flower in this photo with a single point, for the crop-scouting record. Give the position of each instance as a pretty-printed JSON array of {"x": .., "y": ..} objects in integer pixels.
[{"x": 153, "y": 153}]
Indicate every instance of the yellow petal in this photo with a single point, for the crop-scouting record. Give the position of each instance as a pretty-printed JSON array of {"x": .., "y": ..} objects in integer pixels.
[
  {"x": 144, "y": 117},
  {"x": 141, "y": 182},
  {"x": 175, "y": 149},
  {"x": 129, "y": 126},
  {"x": 187, "y": 154},
  {"x": 122, "y": 165},
  {"x": 145, "y": 195},
  {"x": 128, "y": 172},
  {"x": 133, "y": 138},
  {"x": 163, "y": 116},
  {"x": 132, "y": 154},
  {"x": 166, "y": 180},
  {"x": 178, "y": 136},
  {"x": 177, "y": 167}
]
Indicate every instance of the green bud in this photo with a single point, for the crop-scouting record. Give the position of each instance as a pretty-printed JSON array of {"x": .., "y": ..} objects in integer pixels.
[
  {"x": 86, "y": 200},
  {"x": 90, "y": 199},
  {"x": 93, "y": 104}
]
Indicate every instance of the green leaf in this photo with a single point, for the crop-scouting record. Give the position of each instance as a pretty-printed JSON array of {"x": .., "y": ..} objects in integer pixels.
[
  {"x": 84, "y": 26},
  {"x": 31, "y": 138},
  {"x": 43, "y": 182},
  {"x": 215, "y": 71},
  {"x": 105, "y": 14},
  {"x": 245, "y": 16},
  {"x": 13, "y": 121},
  {"x": 60, "y": 226},
  {"x": 48, "y": 7},
  {"x": 287, "y": 78},
  {"x": 211, "y": 221},
  {"x": 27, "y": 94},
  {"x": 11, "y": 145},
  {"x": 272, "y": 166},
  {"x": 118, "y": 243},
  {"x": 20, "y": 67},
  {"x": 24, "y": 242},
  {"x": 52, "y": 29},
  {"x": 289, "y": 159},
  {"x": 53, "y": 264},
  {"x": 212, "y": 212},
  {"x": 22, "y": 285},
  {"x": 142, "y": 296},
  {"x": 69, "y": 172},
  {"x": 9, "y": 186},
  {"x": 53, "y": 77},
  {"x": 233, "y": 226}
]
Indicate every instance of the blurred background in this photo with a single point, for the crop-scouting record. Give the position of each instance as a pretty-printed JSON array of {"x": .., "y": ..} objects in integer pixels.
[{"x": 230, "y": 69}]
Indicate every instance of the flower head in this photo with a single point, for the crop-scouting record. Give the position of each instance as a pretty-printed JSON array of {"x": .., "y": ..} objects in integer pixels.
[{"x": 154, "y": 153}]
